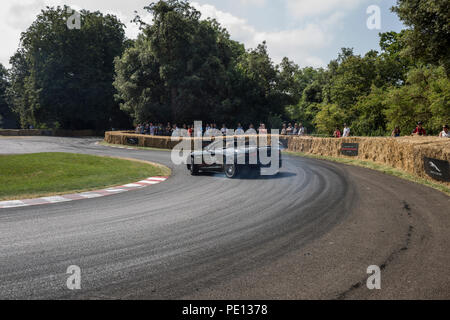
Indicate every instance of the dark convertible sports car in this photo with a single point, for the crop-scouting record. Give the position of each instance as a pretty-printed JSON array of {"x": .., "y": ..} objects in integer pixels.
[{"x": 232, "y": 158}]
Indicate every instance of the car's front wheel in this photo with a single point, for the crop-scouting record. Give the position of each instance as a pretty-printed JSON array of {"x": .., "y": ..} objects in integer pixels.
[
  {"x": 230, "y": 170},
  {"x": 193, "y": 169}
]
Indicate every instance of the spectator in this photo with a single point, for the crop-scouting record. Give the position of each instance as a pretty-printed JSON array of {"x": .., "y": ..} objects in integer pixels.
[
  {"x": 262, "y": 129},
  {"x": 419, "y": 130},
  {"x": 208, "y": 129},
  {"x": 239, "y": 129},
  {"x": 346, "y": 132},
  {"x": 175, "y": 130},
  {"x": 289, "y": 129},
  {"x": 396, "y": 132},
  {"x": 295, "y": 129},
  {"x": 337, "y": 133},
  {"x": 168, "y": 129},
  {"x": 152, "y": 129},
  {"x": 444, "y": 133},
  {"x": 189, "y": 130},
  {"x": 224, "y": 129},
  {"x": 301, "y": 129},
  {"x": 283, "y": 129}
]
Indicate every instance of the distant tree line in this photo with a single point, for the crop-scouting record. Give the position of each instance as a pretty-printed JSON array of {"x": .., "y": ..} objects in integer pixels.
[{"x": 182, "y": 68}]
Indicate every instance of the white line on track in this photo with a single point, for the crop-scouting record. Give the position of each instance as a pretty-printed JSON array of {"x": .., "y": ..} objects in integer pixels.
[{"x": 82, "y": 195}]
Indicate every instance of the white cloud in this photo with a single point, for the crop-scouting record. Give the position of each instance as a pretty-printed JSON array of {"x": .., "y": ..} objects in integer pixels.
[
  {"x": 297, "y": 44},
  {"x": 17, "y": 16},
  {"x": 257, "y": 3},
  {"x": 313, "y": 24},
  {"x": 314, "y": 8}
]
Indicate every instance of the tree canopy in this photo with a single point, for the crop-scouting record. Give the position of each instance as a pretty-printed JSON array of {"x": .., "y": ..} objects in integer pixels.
[
  {"x": 62, "y": 77},
  {"x": 183, "y": 68},
  {"x": 4, "y": 108}
]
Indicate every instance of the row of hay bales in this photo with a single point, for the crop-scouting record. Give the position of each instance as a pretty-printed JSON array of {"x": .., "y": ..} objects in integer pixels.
[
  {"x": 405, "y": 153},
  {"x": 49, "y": 132},
  {"x": 160, "y": 142}
]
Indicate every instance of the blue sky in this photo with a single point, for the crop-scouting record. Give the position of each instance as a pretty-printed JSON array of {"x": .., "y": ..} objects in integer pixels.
[{"x": 310, "y": 32}]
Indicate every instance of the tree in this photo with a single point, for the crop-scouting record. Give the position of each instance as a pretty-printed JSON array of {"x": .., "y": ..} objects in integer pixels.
[
  {"x": 4, "y": 109},
  {"x": 310, "y": 83},
  {"x": 370, "y": 117},
  {"x": 425, "y": 97},
  {"x": 19, "y": 92},
  {"x": 63, "y": 77},
  {"x": 352, "y": 78},
  {"x": 183, "y": 69},
  {"x": 328, "y": 118},
  {"x": 429, "y": 36},
  {"x": 392, "y": 65}
]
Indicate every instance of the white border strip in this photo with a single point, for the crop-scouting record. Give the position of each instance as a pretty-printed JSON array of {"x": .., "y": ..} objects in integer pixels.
[{"x": 82, "y": 195}]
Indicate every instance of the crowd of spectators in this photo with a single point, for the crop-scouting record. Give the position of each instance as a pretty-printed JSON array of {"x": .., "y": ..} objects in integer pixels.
[
  {"x": 159, "y": 129},
  {"x": 345, "y": 132},
  {"x": 420, "y": 131},
  {"x": 297, "y": 129}
]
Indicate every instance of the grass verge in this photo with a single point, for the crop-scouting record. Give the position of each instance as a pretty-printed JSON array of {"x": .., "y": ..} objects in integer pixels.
[
  {"x": 106, "y": 144},
  {"x": 376, "y": 166},
  {"x": 53, "y": 173}
]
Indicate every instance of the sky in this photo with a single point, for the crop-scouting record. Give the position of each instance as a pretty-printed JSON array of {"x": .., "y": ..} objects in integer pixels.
[{"x": 309, "y": 32}]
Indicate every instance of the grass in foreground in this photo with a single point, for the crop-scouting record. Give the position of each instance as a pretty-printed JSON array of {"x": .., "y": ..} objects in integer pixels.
[
  {"x": 379, "y": 167},
  {"x": 42, "y": 174},
  {"x": 104, "y": 143}
]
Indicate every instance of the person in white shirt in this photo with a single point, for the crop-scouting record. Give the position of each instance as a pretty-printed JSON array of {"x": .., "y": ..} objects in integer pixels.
[
  {"x": 224, "y": 129},
  {"x": 262, "y": 129},
  {"x": 295, "y": 130},
  {"x": 301, "y": 129},
  {"x": 239, "y": 130},
  {"x": 346, "y": 132},
  {"x": 444, "y": 133}
]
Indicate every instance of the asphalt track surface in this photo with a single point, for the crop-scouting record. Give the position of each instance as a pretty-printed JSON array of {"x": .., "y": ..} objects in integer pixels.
[{"x": 308, "y": 233}]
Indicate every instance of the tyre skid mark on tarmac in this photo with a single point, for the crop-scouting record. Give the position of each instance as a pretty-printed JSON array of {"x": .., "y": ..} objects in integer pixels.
[
  {"x": 83, "y": 195},
  {"x": 388, "y": 260}
]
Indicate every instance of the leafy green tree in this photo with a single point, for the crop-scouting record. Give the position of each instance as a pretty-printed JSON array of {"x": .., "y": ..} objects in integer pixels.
[
  {"x": 259, "y": 88},
  {"x": 19, "y": 92},
  {"x": 183, "y": 69},
  {"x": 392, "y": 65},
  {"x": 425, "y": 97},
  {"x": 370, "y": 117},
  {"x": 352, "y": 78},
  {"x": 429, "y": 36},
  {"x": 311, "y": 97},
  {"x": 328, "y": 118},
  {"x": 63, "y": 77},
  {"x": 4, "y": 109}
]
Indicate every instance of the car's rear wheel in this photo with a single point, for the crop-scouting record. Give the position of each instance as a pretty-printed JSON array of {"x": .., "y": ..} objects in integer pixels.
[{"x": 230, "y": 170}]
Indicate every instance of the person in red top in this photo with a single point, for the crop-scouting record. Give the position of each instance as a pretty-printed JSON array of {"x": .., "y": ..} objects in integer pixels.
[
  {"x": 419, "y": 130},
  {"x": 337, "y": 133}
]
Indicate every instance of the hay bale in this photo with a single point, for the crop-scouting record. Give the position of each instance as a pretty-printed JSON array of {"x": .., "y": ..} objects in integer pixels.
[{"x": 405, "y": 153}]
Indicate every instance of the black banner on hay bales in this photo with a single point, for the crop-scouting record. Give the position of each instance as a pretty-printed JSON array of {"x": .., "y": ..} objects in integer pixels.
[
  {"x": 132, "y": 141},
  {"x": 284, "y": 142},
  {"x": 437, "y": 169},
  {"x": 350, "y": 149}
]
